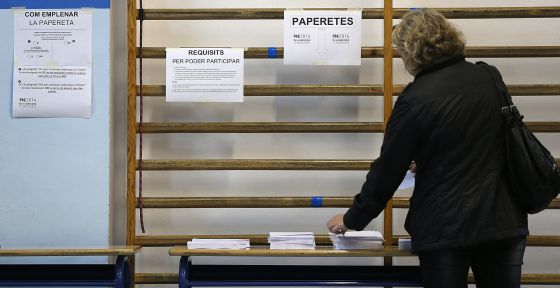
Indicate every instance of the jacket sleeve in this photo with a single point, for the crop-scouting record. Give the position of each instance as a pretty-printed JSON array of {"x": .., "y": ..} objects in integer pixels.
[{"x": 386, "y": 172}]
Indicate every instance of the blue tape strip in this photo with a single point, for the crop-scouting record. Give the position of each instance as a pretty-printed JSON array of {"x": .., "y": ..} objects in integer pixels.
[
  {"x": 54, "y": 4},
  {"x": 412, "y": 9},
  {"x": 272, "y": 52},
  {"x": 316, "y": 201}
]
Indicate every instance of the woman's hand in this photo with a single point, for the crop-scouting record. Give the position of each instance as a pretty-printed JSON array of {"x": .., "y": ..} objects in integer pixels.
[{"x": 336, "y": 224}]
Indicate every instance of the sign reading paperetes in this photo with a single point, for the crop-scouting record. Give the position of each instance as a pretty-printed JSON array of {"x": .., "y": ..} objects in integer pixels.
[
  {"x": 204, "y": 74},
  {"x": 322, "y": 37}
]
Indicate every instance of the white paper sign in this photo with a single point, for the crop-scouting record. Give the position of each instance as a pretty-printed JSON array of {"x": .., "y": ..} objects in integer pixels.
[
  {"x": 204, "y": 74},
  {"x": 52, "y": 63},
  {"x": 322, "y": 37}
]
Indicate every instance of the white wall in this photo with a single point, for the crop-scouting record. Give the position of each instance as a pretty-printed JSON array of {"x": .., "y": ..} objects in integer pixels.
[{"x": 268, "y": 33}]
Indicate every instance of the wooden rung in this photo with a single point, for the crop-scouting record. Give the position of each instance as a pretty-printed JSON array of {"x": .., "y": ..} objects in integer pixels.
[
  {"x": 556, "y": 202},
  {"x": 534, "y": 90},
  {"x": 252, "y": 52},
  {"x": 543, "y": 126},
  {"x": 256, "y": 164},
  {"x": 173, "y": 278},
  {"x": 172, "y": 240},
  {"x": 401, "y": 202},
  {"x": 291, "y": 90},
  {"x": 263, "y": 127},
  {"x": 532, "y": 240},
  {"x": 543, "y": 240},
  {"x": 492, "y": 12},
  {"x": 367, "y": 13},
  {"x": 536, "y": 279},
  {"x": 352, "y": 90},
  {"x": 291, "y": 127},
  {"x": 265, "y": 251},
  {"x": 253, "y": 202},
  {"x": 242, "y": 202},
  {"x": 377, "y": 52},
  {"x": 72, "y": 251},
  {"x": 512, "y": 51},
  {"x": 320, "y": 239},
  {"x": 265, "y": 202}
]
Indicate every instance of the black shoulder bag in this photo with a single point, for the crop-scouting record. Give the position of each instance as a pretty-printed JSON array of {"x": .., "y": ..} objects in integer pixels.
[{"x": 532, "y": 171}]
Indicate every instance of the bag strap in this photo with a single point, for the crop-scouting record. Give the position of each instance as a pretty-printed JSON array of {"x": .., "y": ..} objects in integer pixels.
[{"x": 506, "y": 102}]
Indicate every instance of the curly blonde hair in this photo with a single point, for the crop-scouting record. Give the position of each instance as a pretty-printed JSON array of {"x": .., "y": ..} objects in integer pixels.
[{"x": 424, "y": 36}]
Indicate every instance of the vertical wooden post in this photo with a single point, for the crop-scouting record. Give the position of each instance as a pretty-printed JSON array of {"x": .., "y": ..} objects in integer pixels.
[
  {"x": 388, "y": 106},
  {"x": 131, "y": 134}
]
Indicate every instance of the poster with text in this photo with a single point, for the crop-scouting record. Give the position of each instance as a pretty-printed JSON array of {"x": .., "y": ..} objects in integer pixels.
[
  {"x": 317, "y": 37},
  {"x": 52, "y": 70},
  {"x": 204, "y": 74}
]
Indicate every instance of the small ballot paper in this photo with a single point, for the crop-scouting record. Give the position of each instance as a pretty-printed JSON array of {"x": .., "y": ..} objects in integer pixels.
[
  {"x": 405, "y": 244},
  {"x": 198, "y": 243}
]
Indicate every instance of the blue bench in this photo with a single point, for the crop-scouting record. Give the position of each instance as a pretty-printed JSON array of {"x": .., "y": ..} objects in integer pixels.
[
  {"x": 191, "y": 275},
  {"x": 91, "y": 275}
]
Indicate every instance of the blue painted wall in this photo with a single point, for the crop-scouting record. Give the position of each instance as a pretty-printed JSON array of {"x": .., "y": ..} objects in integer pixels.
[{"x": 54, "y": 173}]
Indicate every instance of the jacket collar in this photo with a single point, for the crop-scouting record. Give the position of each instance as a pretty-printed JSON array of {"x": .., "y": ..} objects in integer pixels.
[{"x": 440, "y": 63}]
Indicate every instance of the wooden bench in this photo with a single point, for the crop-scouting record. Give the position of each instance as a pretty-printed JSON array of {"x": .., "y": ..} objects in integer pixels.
[
  {"x": 294, "y": 275},
  {"x": 98, "y": 275}
]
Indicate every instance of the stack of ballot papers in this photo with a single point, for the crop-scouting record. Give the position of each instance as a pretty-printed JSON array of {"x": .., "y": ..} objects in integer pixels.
[
  {"x": 357, "y": 240},
  {"x": 405, "y": 244},
  {"x": 197, "y": 243},
  {"x": 291, "y": 240}
]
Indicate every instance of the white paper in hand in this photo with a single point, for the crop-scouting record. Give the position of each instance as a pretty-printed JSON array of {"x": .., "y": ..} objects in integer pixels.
[{"x": 408, "y": 181}]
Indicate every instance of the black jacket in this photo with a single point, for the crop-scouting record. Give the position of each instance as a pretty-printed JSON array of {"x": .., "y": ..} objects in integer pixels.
[{"x": 448, "y": 121}]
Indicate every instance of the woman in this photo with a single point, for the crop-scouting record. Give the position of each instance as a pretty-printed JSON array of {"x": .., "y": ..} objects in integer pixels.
[{"x": 448, "y": 122}]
